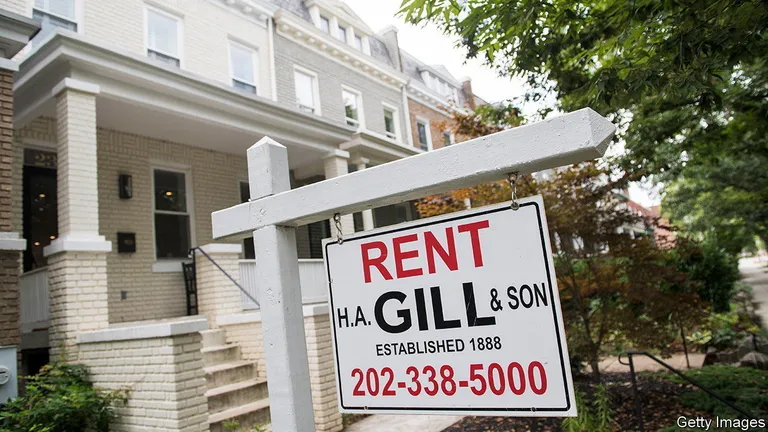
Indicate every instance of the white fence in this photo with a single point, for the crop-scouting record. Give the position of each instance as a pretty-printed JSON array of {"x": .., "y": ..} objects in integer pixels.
[
  {"x": 311, "y": 275},
  {"x": 35, "y": 303}
]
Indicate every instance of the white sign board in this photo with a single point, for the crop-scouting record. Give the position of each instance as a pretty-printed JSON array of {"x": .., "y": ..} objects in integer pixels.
[{"x": 456, "y": 314}]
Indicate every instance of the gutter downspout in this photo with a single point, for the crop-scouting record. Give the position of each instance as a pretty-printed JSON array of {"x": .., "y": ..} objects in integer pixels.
[{"x": 407, "y": 112}]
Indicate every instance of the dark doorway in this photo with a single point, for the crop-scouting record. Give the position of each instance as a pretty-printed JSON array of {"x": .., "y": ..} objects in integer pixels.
[{"x": 40, "y": 209}]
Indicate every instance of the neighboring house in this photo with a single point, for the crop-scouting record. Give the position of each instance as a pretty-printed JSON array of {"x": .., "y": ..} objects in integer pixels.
[
  {"x": 15, "y": 32},
  {"x": 131, "y": 125}
]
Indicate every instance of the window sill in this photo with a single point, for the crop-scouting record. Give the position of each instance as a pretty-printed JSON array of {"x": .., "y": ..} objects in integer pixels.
[{"x": 168, "y": 266}]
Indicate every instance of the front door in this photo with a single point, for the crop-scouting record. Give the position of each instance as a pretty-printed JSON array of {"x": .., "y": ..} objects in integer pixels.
[{"x": 40, "y": 218}]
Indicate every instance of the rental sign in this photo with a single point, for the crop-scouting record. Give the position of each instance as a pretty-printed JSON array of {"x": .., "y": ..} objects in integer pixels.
[{"x": 457, "y": 313}]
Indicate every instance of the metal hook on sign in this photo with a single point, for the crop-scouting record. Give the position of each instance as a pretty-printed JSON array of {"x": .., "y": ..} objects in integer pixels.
[
  {"x": 337, "y": 222},
  {"x": 513, "y": 182}
]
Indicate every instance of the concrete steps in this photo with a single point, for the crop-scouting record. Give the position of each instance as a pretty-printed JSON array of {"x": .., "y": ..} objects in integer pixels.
[{"x": 235, "y": 392}]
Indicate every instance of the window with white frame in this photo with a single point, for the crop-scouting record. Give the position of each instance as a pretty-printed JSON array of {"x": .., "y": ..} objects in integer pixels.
[
  {"x": 391, "y": 125},
  {"x": 325, "y": 24},
  {"x": 341, "y": 33},
  {"x": 172, "y": 214},
  {"x": 352, "y": 106},
  {"x": 358, "y": 42},
  {"x": 422, "y": 127},
  {"x": 243, "y": 64},
  {"x": 307, "y": 94},
  {"x": 55, "y": 13},
  {"x": 163, "y": 37}
]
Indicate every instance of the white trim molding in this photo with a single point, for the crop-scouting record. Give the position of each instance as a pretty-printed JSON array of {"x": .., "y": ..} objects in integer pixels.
[
  {"x": 12, "y": 241},
  {"x": 309, "y": 36},
  {"x": 168, "y": 328},
  {"x": 74, "y": 243},
  {"x": 219, "y": 248},
  {"x": 75, "y": 84}
]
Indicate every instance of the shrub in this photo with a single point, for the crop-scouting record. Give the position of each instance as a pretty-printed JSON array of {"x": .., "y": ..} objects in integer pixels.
[
  {"x": 593, "y": 417},
  {"x": 744, "y": 387},
  {"x": 60, "y": 399}
]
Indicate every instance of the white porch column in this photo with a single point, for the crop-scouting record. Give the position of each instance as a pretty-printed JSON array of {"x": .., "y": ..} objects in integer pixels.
[
  {"x": 335, "y": 164},
  {"x": 362, "y": 163},
  {"x": 77, "y": 265}
]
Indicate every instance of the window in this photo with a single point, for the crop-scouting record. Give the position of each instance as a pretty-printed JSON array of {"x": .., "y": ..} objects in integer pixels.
[
  {"x": 245, "y": 196},
  {"x": 245, "y": 192},
  {"x": 448, "y": 138},
  {"x": 325, "y": 24},
  {"x": 172, "y": 216},
  {"x": 342, "y": 34},
  {"x": 391, "y": 124},
  {"x": 55, "y": 13},
  {"x": 422, "y": 127},
  {"x": 163, "y": 37},
  {"x": 352, "y": 107},
  {"x": 307, "y": 96},
  {"x": 243, "y": 65},
  {"x": 358, "y": 42}
]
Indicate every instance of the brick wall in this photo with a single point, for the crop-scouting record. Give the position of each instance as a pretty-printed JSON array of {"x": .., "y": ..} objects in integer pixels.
[
  {"x": 331, "y": 76},
  {"x": 77, "y": 287},
  {"x": 322, "y": 372},
  {"x": 435, "y": 118},
  {"x": 165, "y": 378},
  {"x": 248, "y": 337},
  {"x": 207, "y": 28},
  {"x": 216, "y": 294},
  {"x": 9, "y": 297},
  {"x": 6, "y": 150}
]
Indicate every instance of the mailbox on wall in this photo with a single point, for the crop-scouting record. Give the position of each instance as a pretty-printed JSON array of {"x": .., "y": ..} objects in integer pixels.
[{"x": 8, "y": 374}]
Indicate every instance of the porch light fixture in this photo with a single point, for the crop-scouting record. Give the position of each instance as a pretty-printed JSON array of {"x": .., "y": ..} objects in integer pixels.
[{"x": 125, "y": 186}]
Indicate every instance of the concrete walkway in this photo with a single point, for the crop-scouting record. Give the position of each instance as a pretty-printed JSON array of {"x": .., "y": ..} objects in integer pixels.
[
  {"x": 403, "y": 423},
  {"x": 754, "y": 272}
]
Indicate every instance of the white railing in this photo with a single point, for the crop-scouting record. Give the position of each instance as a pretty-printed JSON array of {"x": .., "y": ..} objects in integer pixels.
[
  {"x": 311, "y": 276},
  {"x": 35, "y": 303}
]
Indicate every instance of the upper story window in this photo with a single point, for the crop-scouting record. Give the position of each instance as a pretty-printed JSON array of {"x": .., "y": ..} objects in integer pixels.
[
  {"x": 307, "y": 93},
  {"x": 163, "y": 37},
  {"x": 439, "y": 85},
  {"x": 55, "y": 13},
  {"x": 325, "y": 24},
  {"x": 352, "y": 106},
  {"x": 358, "y": 42},
  {"x": 425, "y": 140},
  {"x": 341, "y": 34},
  {"x": 172, "y": 214},
  {"x": 391, "y": 123},
  {"x": 243, "y": 65},
  {"x": 448, "y": 138}
]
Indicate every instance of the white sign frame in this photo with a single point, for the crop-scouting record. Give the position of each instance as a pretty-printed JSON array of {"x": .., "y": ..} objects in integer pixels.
[{"x": 569, "y": 410}]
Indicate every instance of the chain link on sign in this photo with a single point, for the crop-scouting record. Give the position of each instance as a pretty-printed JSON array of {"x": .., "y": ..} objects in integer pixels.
[
  {"x": 337, "y": 222},
  {"x": 513, "y": 182}
]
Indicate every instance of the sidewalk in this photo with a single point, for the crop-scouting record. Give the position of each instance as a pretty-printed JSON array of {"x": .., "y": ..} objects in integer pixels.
[
  {"x": 403, "y": 423},
  {"x": 755, "y": 273}
]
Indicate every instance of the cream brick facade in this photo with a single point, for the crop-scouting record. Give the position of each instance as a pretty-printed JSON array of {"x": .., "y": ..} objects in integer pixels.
[
  {"x": 217, "y": 295},
  {"x": 165, "y": 378},
  {"x": 248, "y": 337},
  {"x": 322, "y": 372},
  {"x": 207, "y": 28},
  {"x": 78, "y": 287}
]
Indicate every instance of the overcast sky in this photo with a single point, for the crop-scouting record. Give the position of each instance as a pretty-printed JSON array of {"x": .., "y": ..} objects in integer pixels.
[{"x": 432, "y": 47}]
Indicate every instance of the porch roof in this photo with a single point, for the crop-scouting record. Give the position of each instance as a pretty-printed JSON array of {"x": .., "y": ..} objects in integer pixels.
[{"x": 141, "y": 96}]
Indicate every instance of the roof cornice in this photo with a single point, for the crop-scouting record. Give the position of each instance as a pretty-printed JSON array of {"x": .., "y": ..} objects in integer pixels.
[{"x": 304, "y": 33}]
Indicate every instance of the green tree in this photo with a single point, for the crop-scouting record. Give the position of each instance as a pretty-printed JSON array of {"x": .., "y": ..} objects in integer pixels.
[{"x": 686, "y": 79}]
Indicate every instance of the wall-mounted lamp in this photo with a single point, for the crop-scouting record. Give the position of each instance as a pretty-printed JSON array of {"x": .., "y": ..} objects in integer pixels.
[{"x": 125, "y": 186}]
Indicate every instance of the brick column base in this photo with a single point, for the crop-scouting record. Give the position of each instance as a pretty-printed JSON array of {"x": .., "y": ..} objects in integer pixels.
[
  {"x": 10, "y": 301},
  {"x": 78, "y": 292},
  {"x": 161, "y": 365},
  {"x": 322, "y": 369}
]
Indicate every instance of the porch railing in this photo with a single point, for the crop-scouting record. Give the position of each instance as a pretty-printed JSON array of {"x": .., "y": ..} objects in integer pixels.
[
  {"x": 311, "y": 277},
  {"x": 35, "y": 302}
]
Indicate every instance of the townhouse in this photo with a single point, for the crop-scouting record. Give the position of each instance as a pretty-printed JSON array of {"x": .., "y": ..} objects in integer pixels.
[{"x": 130, "y": 126}]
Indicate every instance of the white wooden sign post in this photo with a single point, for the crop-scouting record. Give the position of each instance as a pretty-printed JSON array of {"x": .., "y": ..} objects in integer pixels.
[{"x": 274, "y": 212}]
